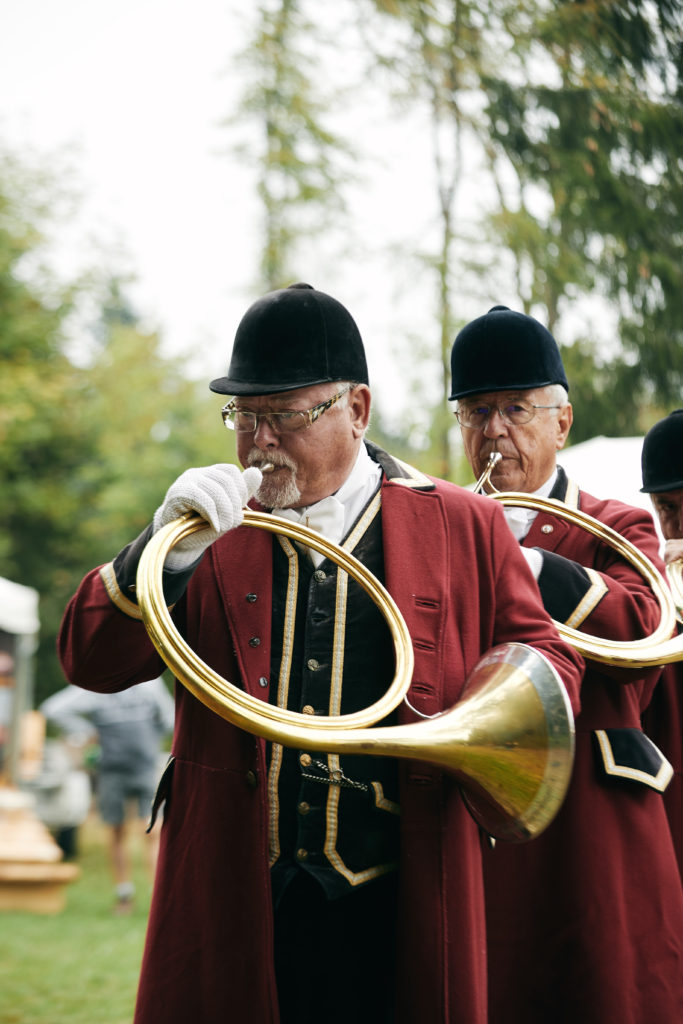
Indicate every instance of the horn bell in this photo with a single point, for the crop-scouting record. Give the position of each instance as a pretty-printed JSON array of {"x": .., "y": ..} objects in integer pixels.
[{"x": 512, "y": 741}]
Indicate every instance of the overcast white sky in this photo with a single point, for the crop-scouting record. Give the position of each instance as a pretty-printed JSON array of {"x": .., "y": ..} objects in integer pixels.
[{"x": 137, "y": 91}]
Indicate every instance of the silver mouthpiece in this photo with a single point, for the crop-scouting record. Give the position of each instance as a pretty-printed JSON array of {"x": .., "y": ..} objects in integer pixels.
[{"x": 484, "y": 479}]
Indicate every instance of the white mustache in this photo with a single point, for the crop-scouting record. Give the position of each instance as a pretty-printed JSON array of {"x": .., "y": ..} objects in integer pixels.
[{"x": 269, "y": 463}]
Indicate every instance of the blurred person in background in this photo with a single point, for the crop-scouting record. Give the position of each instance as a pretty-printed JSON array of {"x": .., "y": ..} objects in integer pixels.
[
  {"x": 129, "y": 728},
  {"x": 662, "y": 473},
  {"x": 62, "y": 789}
]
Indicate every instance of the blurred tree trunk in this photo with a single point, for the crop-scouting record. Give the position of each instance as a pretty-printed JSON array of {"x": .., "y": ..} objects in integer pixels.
[{"x": 299, "y": 176}]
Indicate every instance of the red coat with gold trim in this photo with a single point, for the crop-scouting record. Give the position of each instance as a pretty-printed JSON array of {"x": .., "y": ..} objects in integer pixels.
[
  {"x": 463, "y": 587},
  {"x": 586, "y": 923},
  {"x": 663, "y": 723}
]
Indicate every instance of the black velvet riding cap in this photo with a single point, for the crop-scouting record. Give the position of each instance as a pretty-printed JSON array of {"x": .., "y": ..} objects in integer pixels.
[
  {"x": 503, "y": 351},
  {"x": 292, "y": 338},
  {"x": 661, "y": 459}
]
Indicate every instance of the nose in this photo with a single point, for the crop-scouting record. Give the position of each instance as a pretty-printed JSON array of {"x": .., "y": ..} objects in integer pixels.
[
  {"x": 265, "y": 436},
  {"x": 495, "y": 425}
]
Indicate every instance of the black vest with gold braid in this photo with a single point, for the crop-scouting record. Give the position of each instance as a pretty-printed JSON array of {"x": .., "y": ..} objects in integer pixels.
[{"x": 334, "y": 816}]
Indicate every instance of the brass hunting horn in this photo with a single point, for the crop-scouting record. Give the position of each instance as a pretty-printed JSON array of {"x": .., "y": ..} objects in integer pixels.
[
  {"x": 509, "y": 742},
  {"x": 674, "y": 575},
  {"x": 660, "y": 647}
]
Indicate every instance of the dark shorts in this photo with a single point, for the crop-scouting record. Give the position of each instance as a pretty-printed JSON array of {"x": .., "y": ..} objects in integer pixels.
[{"x": 116, "y": 790}]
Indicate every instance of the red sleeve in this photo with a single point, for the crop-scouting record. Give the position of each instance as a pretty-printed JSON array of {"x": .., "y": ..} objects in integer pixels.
[{"x": 101, "y": 647}]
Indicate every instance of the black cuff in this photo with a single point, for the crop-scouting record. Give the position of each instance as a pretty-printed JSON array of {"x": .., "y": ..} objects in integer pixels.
[
  {"x": 125, "y": 565},
  {"x": 563, "y": 585}
]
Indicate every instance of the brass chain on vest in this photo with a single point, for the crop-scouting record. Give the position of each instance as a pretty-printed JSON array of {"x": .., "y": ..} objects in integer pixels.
[{"x": 334, "y": 777}]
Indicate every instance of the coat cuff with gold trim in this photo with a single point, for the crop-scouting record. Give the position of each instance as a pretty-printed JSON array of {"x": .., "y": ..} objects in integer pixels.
[
  {"x": 570, "y": 591},
  {"x": 119, "y": 577},
  {"x": 630, "y": 754}
]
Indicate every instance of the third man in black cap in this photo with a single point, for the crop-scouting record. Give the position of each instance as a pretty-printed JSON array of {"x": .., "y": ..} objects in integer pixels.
[{"x": 662, "y": 471}]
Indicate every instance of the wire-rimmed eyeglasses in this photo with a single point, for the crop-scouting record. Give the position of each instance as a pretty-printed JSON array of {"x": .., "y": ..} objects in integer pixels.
[
  {"x": 515, "y": 413},
  {"x": 284, "y": 421}
]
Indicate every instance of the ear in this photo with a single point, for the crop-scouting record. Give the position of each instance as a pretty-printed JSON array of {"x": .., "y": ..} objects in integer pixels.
[
  {"x": 359, "y": 409},
  {"x": 565, "y": 419}
]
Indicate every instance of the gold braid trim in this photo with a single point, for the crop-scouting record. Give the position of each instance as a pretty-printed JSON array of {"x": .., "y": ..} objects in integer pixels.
[
  {"x": 415, "y": 478},
  {"x": 590, "y": 600},
  {"x": 116, "y": 595},
  {"x": 659, "y": 781}
]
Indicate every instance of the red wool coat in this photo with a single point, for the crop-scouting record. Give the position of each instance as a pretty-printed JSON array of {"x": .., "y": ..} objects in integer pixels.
[
  {"x": 663, "y": 723},
  {"x": 463, "y": 586},
  {"x": 585, "y": 924}
]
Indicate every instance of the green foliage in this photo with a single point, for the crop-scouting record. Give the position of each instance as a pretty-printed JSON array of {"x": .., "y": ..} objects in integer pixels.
[
  {"x": 595, "y": 135},
  {"x": 86, "y": 453},
  {"x": 41, "y": 444},
  {"x": 604, "y": 396},
  {"x": 569, "y": 114},
  {"x": 144, "y": 422}
]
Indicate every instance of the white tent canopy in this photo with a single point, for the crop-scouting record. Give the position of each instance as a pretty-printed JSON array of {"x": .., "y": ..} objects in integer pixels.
[
  {"x": 18, "y": 608},
  {"x": 608, "y": 467}
]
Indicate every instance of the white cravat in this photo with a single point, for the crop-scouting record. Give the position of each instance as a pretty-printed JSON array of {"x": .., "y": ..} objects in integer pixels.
[
  {"x": 326, "y": 516},
  {"x": 520, "y": 519},
  {"x": 334, "y": 515}
]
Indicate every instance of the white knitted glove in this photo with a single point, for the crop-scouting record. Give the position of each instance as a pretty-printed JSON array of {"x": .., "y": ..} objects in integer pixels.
[{"x": 218, "y": 493}]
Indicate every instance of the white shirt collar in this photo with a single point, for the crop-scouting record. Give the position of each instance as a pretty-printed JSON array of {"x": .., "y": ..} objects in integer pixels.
[
  {"x": 519, "y": 519},
  {"x": 353, "y": 495},
  {"x": 545, "y": 489}
]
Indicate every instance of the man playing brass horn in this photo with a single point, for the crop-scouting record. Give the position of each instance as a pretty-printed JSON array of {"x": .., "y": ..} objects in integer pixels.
[
  {"x": 585, "y": 924},
  {"x": 292, "y": 886},
  {"x": 662, "y": 471}
]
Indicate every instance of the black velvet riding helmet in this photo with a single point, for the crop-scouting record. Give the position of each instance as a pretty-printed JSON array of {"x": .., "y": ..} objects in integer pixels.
[
  {"x": 292, "y": 338},
  {"x": 504, "y": 351},
  {"x": 661, "y": 459}
]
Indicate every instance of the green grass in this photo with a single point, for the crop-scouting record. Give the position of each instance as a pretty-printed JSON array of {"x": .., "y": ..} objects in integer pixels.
[{"x": 81, "y": 965}]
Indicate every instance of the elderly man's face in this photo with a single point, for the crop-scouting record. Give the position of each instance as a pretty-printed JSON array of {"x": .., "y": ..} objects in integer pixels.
[
  {"x": 669, "y": 508},
  {"x": 528, "y": 450},
  {"x": 313, "y": 462}
]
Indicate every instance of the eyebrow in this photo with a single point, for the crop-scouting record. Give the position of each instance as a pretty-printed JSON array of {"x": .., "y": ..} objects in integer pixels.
[
  {"x": 497, "y": 399},
  {"x": 275, "y": 407}
]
